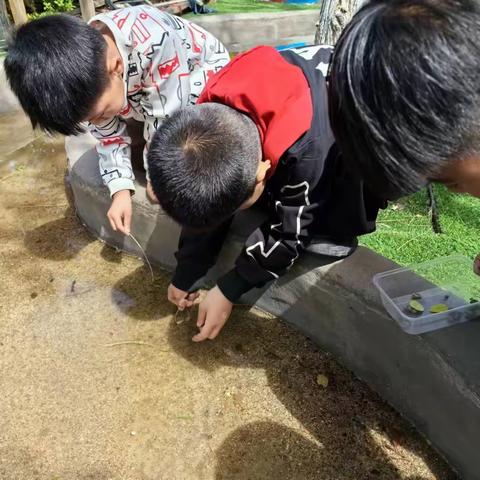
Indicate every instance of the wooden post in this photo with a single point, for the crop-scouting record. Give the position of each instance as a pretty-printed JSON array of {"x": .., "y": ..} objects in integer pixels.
[
  {"x": 4, "y": 24},
  {"x": 87, "y": 7},
  {"x": 18, "y": 11}
]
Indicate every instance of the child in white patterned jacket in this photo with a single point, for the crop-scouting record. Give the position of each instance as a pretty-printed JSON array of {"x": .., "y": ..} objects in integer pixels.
[{"x": 135, "y": 63}]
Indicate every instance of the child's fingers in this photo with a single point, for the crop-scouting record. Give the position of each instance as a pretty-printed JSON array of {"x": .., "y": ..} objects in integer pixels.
[
  {"x": 191, "y": 297},
  {"x": 215, "y": 331},
  {"x": 202, "y": 316},
  {"x": 183, "y": 304},
  {"x": 116, "y": 222},
  {"x": 112, "y": 223},
  {"x": 121, "y": 227},
  {"x": 186, "y": 303},
  {"x": 172, "y": 298},
  {"x": 127, "y": 221},
  {"x": 111, "y": 219},
  {"x": 203, "y": 335}
]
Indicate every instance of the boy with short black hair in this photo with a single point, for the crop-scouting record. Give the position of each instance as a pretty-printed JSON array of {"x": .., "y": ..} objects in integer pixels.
[
  {"x": 403, "y": 99},
  {"x": 134, "y": 63},
  {"x": 267, "y": 136}
]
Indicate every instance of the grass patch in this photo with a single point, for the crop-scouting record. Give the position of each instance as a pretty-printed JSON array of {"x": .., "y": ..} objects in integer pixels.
[
  {"x": 254, "y": 6},
  {"x": 404, "y": 232}
]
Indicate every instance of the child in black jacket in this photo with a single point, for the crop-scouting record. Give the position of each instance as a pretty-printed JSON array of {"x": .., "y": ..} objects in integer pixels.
[{"x": 401, "y": 113}]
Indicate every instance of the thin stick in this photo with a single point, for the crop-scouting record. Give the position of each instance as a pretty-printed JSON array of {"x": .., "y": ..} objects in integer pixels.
[
  {"x": 7, "y": 176},
  {"x": 144, "y": 255},
  {"x": 76, "y": 293},
  {"x": 406, "y": 243},
  {"x": 26, "y": 205},
  {"x": 128, "y": 342}
]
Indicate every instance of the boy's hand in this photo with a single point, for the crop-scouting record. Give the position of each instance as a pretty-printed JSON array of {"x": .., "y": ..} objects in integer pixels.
[
  {"x": 181, "y": 298},
  {"x": 120, "y": 213},
  {"x": 213, "y": 313}
]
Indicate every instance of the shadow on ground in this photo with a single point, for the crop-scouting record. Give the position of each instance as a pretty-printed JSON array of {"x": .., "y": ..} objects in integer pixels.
[
  {"x": 59, "y": 240},
  {"x": 344, "y": 419},
  {"x": 148, "y": 299},
  {"x": 350, "y": 426}
]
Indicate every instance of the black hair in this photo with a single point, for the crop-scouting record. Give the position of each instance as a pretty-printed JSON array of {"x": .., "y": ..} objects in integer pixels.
[
  {"x": 56, "y": 66},
  {"x": 203, "y": 162},
  {"x": 404, "y": 90}
]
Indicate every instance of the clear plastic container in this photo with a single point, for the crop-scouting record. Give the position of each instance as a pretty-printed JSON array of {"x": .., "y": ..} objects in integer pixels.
[{"x": 448, "y": 281}]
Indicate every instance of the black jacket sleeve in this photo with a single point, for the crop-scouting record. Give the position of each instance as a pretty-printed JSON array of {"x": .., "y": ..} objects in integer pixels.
[
  {"x": 273, "y": 247},
  {"x": 197, "y": 253}
]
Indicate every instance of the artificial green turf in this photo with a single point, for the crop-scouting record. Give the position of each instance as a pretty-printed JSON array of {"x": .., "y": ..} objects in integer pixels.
[
  {"x": 252, "y": 6},
  {"x": 404, "y": 232}
]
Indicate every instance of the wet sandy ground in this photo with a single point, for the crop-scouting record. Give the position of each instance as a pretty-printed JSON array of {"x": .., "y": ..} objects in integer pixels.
[{"x": 77, "y": 402}]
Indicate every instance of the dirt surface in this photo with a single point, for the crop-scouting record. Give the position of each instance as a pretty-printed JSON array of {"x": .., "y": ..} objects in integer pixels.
[{"x": 99, "y": 381}]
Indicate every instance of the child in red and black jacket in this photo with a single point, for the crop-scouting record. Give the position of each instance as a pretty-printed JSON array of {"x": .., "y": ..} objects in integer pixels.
[
  {"x": 267, "y": 135},
  {"x": 262, "y": 130}
]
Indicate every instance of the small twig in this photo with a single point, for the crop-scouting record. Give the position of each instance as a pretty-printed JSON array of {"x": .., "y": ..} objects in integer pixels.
[
  {"x": 7, "y": 176},
  {"x": 28, "y": 205},
  {"x": 144, "y": 255},
  {"x": 75, "y": 293},
  {"x": 128, "y": 342},
  {"x": 406, "y": 243}
]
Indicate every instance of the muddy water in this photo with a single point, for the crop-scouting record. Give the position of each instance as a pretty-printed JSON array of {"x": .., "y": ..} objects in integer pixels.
[{"x": 99, "y": 382}]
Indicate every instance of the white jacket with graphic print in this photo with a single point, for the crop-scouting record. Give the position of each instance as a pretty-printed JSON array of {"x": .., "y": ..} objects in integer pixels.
[{"x": 167, "y": 62}]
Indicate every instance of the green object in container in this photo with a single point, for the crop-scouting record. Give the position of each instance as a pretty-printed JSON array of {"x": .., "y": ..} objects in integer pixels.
[
  {"x": 416, "y": 307},
  {"x": 438, "y": 308}
]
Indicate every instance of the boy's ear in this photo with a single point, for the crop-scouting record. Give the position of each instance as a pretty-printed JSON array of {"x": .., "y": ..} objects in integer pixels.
[
  {"x": 263, "y": 167},
  {"x": 114, "y": 65},
  {"x": 117, "y": 66}
]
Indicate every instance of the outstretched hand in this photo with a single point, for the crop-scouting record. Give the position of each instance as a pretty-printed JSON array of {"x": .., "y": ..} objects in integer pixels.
[
  {"x": 120, "y": 212},
  {"x": 213, "y": 313}
]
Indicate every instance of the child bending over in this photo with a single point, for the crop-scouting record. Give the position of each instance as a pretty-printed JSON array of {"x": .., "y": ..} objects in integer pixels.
[
  {"x": 400, "y": 108},
  {"x": 137, "y": 62}
]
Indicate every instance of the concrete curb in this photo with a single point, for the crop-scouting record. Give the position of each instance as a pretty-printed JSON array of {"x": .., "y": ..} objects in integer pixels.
[
  {"x": 8, "y": 101},
  {"x": 241, "y": 31},
  {"x": 432, "y": 379}
]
